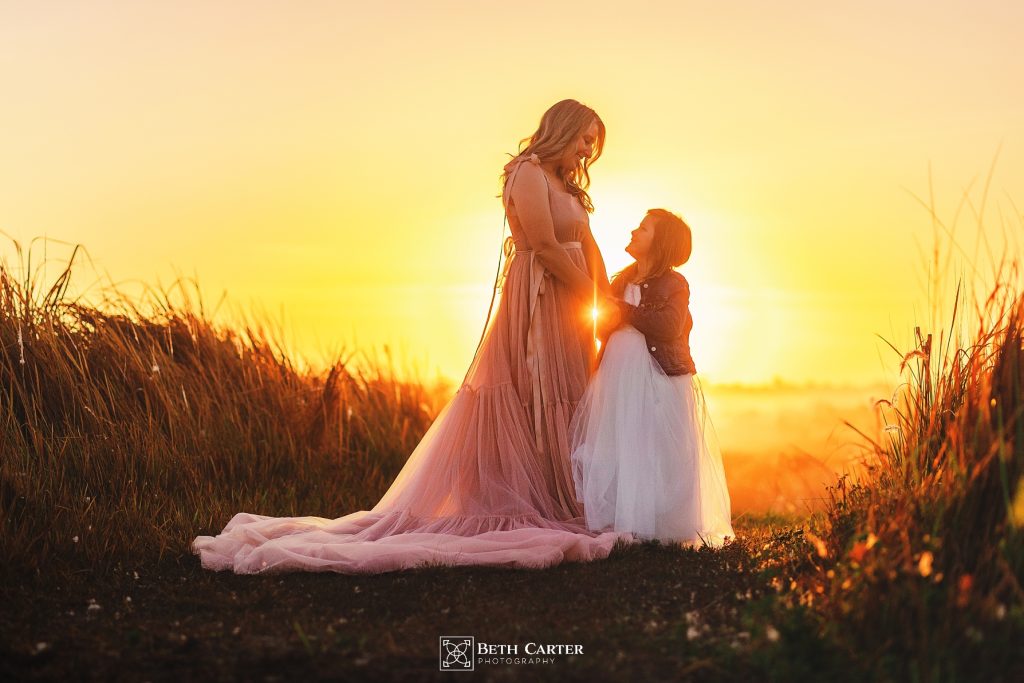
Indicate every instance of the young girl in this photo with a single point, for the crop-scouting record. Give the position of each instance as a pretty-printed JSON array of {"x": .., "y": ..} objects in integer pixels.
[{"x": 644, "y": 455}]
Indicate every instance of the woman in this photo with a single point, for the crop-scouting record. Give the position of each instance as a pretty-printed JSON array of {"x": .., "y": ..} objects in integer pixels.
[{"x": 490, "y": 482}]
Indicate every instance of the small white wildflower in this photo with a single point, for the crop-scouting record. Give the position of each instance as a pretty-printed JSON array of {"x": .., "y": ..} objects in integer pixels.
[
  {"x": 40, "y": 646},
  {"x": 135, "y": 575},
  {"x": 94, "y": 607},
  {"x": 355, "y": 589},
  {"x": 772, "y": 633},
  {"x": 692, "y": 632},
  {"x": 236, "y": 630},
  {"x": 75, "y": 539},
  {"x": 692, "y": 617},
  {"x": 127, "y": 598}
]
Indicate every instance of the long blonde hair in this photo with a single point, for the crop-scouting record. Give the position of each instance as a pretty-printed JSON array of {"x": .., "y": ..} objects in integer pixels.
[
  {"x": 671, "y": 246},
  {"x": 559, "y": 127}
]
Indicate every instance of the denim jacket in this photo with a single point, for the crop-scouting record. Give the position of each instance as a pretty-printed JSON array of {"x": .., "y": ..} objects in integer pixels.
[{"x": 663, "y": 316}]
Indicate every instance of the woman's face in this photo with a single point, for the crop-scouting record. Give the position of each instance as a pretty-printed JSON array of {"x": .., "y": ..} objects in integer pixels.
[
  {"x": 582, "y": 147},
  {"x": 640, "y": 244}
]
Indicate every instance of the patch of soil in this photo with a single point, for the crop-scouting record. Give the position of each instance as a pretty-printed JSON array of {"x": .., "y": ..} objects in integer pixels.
[{"x": 648, "y": 611}]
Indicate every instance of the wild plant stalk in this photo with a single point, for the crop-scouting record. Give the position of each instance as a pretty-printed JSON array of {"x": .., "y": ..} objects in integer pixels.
[
  {"x": 125, "y": 432},
  {"x": 920, "y": 564}
]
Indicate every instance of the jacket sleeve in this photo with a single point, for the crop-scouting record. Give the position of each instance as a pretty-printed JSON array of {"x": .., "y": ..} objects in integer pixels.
[{"x": 661, "y": 320}]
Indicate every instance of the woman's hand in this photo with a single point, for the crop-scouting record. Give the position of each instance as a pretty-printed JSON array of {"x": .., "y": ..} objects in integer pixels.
[{"x": 609, "y": 316}]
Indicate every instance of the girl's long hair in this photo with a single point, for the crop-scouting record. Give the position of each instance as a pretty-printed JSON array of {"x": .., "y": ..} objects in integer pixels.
[
  {"x": 559, "y": 127},
  {"x": 670, "y": 247}
]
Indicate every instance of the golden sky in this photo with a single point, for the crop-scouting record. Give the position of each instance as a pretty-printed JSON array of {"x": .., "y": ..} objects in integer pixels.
[{"x": 339, "y": 161}]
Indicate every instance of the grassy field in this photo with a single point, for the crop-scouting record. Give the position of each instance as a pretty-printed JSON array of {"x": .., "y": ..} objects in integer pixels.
[{"x": 127, "y": 430}]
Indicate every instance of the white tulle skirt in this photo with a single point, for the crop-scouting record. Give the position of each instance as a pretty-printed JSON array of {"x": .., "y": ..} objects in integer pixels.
[{"x": 645, "y": 457}]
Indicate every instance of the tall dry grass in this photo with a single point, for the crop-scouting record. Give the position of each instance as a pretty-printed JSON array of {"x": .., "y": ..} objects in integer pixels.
[
  {"x": 130, "y": 427},
  {"x": 917, "y": 567}
]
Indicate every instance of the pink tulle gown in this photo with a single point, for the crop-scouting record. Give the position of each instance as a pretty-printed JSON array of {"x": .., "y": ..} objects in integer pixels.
[{"x": 490, "y": 483}]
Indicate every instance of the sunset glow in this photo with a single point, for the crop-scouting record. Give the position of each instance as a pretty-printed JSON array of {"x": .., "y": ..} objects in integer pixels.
[{"x": 337, "y": 166}]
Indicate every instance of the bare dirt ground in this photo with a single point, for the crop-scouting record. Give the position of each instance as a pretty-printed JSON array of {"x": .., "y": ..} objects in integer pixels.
[{"x": 647, "y": 612}]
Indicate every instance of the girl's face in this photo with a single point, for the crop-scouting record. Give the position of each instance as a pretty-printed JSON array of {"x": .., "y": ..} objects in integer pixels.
[
  {"x": 640, "y": 245},
  {"x": 582, "y": 147}
]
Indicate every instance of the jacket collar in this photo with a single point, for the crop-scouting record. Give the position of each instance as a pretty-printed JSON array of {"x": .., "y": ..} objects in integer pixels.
[{"x": 619, "y": 286}]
